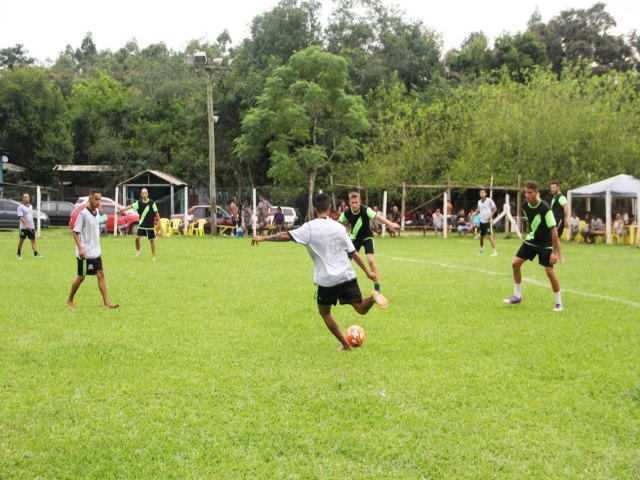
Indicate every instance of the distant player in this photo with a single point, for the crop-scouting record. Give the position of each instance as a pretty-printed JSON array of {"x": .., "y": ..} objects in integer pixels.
[
  {"x": 27, "y": 227},
  {"x": 330, "y": 249},
  {"x": 148, "y": 211},
  {"x": 560, "y": 209},
  {"x": 359, "y": 217},
  {"x": 487, "y": 209},
  {"x": 86, "y": 234},
  {"x": 542, "y": 242}
]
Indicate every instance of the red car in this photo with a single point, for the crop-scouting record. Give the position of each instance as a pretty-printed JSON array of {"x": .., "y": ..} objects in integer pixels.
[{"x": 128, "y": 221}]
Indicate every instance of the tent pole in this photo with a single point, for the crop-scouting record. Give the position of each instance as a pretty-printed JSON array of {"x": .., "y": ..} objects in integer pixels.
[{"x": 608, "y": 215}]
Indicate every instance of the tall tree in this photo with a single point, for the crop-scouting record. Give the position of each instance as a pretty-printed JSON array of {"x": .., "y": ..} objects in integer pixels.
[
  {"x": 32, "y": 122},
  {"x": 16, "y": 56},
  {"x": 305, "y": 120}
]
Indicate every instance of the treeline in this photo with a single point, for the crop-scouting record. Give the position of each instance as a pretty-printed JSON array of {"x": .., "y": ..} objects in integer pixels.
[{"x": 369, "y": 96}]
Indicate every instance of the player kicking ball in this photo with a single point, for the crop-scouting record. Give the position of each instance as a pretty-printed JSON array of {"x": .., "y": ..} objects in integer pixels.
[
  {"x": 330, "y": 249},
  {"x": 542, "y": 242}
]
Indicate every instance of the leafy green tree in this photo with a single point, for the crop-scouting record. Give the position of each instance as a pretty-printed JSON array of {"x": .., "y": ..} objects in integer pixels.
[
  {"x": 473, "y": 60},
  {"x": 582, "y": 36},
  {"x": 16, "y": 56},
  {"x": 305, "y": 120},
  {"x": 32, "y": 122},
  {"x": 519, "y": 53}
]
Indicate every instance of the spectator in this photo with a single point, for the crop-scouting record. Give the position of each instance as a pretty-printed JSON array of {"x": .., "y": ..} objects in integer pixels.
[
  {"x": 462, "y": 223},
  {"x": 596, "y": 224},
  {"x": 438, "y": 221},
  {"x": 246, "y": 219},
  {"x": 631, "y": 220},
  {"x": 266, "y": 208},
  {"x": 278, "y": 220},
  {"x": 233, "y": 209},
  {"x": 103, "y": 222},
  {"x": 187, "y": 220},
  {"x": 395, "y": 218},
  {"x": 619, "y": 228},
  {"x": 574, "y": 224},
  {"x": 261, "y": 220},
  {"x": 586, "y": 232}
]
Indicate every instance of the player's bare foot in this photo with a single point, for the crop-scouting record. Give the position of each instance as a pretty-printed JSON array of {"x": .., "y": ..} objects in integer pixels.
[
  {"x": 380, "y": 299},
  {"x": 70, "y": 304},
  {"x": 111, "y": 305}
]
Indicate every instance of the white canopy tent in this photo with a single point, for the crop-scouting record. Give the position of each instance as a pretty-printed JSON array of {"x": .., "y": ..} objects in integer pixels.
[{"x": 620, "y": 186}]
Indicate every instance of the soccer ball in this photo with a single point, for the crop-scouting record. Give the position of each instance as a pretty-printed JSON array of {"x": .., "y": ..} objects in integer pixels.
[{"x": 355, "y": 335}]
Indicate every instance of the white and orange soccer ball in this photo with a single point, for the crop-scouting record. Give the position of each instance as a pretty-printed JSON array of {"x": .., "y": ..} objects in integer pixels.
[{"x": 355, "y": 335}]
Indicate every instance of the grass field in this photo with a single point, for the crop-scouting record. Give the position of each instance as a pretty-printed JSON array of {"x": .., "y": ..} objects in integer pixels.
[{"x": 217, "y": 365}]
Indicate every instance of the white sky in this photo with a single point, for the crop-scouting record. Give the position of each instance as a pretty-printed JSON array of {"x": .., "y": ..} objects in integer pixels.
[{"x": 46, "y": 27}]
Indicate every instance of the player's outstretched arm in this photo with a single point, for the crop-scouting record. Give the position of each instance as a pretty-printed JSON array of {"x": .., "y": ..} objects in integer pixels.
[
  {"x": 276, "y": 237},
  {"x": 388, "y": 223}
]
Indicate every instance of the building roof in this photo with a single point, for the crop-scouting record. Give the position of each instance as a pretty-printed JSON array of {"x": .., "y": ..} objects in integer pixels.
[
  {"x": 83, "y": 168},
  {"x": 147, "y": 178}
]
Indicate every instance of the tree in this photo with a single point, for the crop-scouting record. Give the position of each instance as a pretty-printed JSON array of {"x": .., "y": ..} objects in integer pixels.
[
  {"x": 305, "y": 120},
  {"x": 32, "y": 122},
  {"x": 581, "y": 36},
  {"x": 16, "y": 56}
]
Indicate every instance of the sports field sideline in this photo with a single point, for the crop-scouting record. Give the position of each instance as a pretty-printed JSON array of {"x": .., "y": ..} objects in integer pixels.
[{"x": 217, "y": 365}]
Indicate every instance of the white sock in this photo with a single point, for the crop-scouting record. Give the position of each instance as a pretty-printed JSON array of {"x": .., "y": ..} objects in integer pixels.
[
  {"x": 558, "y": 297},
  {"x": 517, "y": 292}
]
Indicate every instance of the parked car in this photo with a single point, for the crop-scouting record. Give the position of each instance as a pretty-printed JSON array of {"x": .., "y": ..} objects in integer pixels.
[
  {"x": 129, "y": 219},
  {"x": 59, "y": 212},
  {"x": 9, "y": 215},
  {"x": 204, "y": 211}
]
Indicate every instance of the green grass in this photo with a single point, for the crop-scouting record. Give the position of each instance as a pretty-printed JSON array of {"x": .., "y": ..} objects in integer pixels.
[{"x": 217, "y": 365}]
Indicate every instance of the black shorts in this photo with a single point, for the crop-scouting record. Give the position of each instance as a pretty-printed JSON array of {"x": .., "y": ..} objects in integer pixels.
[
  {"x": 150, "y": 233},
  {"x": 560, "y": 227},
  {"x": 367, "y": 243},
  {"x": 347, "y": 292},
  {"x": 529, "y": 252},
  {"x": 486, "y": 229},
  {"x": 89, "y": 266},
  {"x": 30, "y": 234}
]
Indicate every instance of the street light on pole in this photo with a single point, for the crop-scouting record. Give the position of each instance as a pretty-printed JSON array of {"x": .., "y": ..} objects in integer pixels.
[{"x": 210, "y": 67}]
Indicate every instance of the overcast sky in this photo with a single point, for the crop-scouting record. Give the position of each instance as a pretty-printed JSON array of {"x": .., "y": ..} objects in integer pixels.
[{"x": 46, "y": 27}]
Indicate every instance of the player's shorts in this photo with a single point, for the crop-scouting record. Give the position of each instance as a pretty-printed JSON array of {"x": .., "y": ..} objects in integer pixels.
[
  {"x": 560, "y": 227},
  {"x": 89, "y": 266},
  {"x": 30, "y": 234},
  {"x": 529, "y": 252},
  {"x": 150, "y": 233},
  {"x": 486, "y": 229},
  {"x": 367, "y": 243},
  {"x": 347, "y": 292}
]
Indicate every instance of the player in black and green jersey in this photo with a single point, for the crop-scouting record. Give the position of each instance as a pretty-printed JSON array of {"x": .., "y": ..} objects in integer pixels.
[
  {"x": 359, "y": 217},
  {"x": 148, "y": 211},
  {"x": 542, "y": 241},
  {"x": 560, "y": 209}
]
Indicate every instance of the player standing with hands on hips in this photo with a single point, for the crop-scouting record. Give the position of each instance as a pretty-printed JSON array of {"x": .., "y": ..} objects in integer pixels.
[
  {"x": 487, "y": 209},
  {"x": 330, "y": 249},
  {"x": 27, "y": 227},
  {"x": 148, "y": 211}
]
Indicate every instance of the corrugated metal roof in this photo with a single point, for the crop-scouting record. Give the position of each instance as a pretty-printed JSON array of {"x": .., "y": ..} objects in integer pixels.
[
  {"x": 83, "y": 168},
  {"x": 144, "y": 176}
]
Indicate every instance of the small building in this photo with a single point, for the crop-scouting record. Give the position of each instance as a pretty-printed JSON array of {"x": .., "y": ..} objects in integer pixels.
[{"x": 170, "y": 193}]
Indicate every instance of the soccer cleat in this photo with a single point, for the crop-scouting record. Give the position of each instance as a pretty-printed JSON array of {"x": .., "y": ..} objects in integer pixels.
[
  {"x": 494, "y": 254},
  {"x": 481, "y": 252},
  {"x": 380, "y": 299},
  {"x": 513, "y": 300},
  {"x": 136, "y": 256},
  {"x": 38, "y": 256},
  {"x": 558, "y": 308},
  {"x": 19, "y": 257}
]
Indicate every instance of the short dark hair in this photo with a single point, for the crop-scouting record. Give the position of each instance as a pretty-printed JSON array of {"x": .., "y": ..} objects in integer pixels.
[
  {"x": 531, "y": 185},
  {"x": 322, "y": 202},
  {"x": 93, "y": 191},
  {"x": 354, "y": 195},
  {"x": 555, "y": 182}
]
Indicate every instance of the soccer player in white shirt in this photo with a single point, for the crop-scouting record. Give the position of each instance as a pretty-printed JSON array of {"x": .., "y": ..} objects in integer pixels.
[
  {"x": 487, "y": 209},
  {"x": 330, "y": 249},
  {"x": 86, "y": 233}
]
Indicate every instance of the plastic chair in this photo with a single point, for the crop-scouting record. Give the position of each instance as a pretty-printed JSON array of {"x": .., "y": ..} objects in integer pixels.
[
  {"x": 164, "y": 226},
  {"x": 198, "y": 229},
  {"x": 174, "y": 226}
]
